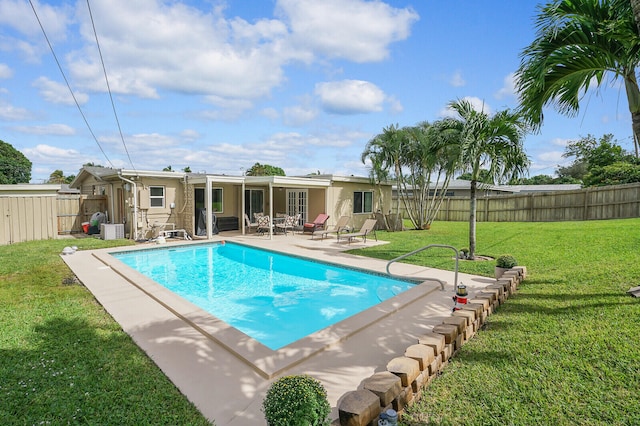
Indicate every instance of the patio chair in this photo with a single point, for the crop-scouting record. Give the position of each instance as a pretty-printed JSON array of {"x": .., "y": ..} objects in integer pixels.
[
  {"x": 368, "y": 227},
  {"x": 289, "y": 223},
  {"x": 340, "y": 226},
  {"x": 264, "y": 225},
  {"x": 318, "y": 224},
  {"x": 248, "y": 224}
]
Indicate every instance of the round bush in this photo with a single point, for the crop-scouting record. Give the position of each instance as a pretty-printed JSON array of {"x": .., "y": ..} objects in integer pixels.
[
  {"x": 296, "y": 401},
  {"x": 506, "y": 261}
]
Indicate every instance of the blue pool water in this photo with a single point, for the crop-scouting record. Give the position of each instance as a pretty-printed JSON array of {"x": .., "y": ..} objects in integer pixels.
[{"x": 274, "y": 298}]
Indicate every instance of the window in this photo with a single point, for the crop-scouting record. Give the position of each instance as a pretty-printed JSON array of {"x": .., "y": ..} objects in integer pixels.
[
  {"x": 363, "y": 202},
  {"x": 156, "y": 196},
  {"x": 216, "y": 200}
]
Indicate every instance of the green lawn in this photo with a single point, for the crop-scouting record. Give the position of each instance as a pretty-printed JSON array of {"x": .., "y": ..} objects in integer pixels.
[
  {"x": 565, "y": 349},
  {"x": 63, "y": 359}
]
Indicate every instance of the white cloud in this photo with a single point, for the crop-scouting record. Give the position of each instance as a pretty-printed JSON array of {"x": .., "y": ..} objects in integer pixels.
[
  {"x": 508, "y": 88},
  {"x": 12, "y": 113},
  {"x": 5, "y": 71},
  {"x": 18, "y": 15},
  {"x": 150, "y": 46},
  {"x": 270, "y": 113},
  {"x": 51, "y": 129},
  {"x": 50, "y": 153},
  {"x": 58, "y": 93},
  {"x": 457, "y": 80},
  {"x": 551, "y": 157},
  {"x": 350, "y": 97},
  {"x": 561, "y": 142},
  {"x": 190, "y": 134},
  {"x": 394, "y": 105},
  {"x": 357, "y": 30},
  {"x": 298, "y": 115}
]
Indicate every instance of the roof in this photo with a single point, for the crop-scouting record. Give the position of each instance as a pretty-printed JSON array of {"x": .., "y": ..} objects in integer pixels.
[
  {"x": 110, "y": 174},
  {"x": 28, "y": 189},
  {"x": 544, "y": 188}
]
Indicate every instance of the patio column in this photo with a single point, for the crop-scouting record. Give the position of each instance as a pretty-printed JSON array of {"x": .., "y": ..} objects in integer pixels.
[
  {"x": 271, "y": 209},
  {"x": 207, "y": 207},
  {"x": 243, "y": 207}
]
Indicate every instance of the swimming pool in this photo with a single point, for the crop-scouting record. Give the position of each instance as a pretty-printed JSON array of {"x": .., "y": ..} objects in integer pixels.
[{"x": 275, "y": 299}]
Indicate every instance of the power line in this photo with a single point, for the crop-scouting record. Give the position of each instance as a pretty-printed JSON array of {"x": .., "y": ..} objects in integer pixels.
[
  {"x": 68, "y": 85},
  {"x": 113, "y": 105}
]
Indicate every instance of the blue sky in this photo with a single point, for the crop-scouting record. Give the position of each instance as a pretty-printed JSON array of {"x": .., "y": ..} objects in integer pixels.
[{"x": 298, "y": 84}]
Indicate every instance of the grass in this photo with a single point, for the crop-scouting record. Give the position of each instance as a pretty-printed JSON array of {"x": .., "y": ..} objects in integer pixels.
[
  {"x": 563, "y": 350},
  {"x": 63, "y": 359}
]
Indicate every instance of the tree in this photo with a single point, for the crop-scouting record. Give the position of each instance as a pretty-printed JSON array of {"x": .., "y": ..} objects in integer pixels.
[
  {"x": 578, "y": 43},
  {"x": 14, "y": 166},
  {"x": 264, "y": 170},
  {"x": 601, "y": 162},
  {"x": 421, "y": 161},
  {"x": 56, "y": 177},
  {"x": 493, "y": 142},
  {"x": 385, "y": 151},
  {"x": 635, "y": 6}
]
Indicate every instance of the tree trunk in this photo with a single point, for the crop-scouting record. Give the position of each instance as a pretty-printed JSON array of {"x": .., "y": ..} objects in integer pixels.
[
  {"x": 633, "y": 97},
  {"x": 635, "y": 6},
  {"x": 472, "y": 220}
]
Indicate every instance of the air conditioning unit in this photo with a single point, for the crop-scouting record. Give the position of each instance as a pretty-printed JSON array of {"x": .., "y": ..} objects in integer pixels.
[{"x": 110, "y": 231}]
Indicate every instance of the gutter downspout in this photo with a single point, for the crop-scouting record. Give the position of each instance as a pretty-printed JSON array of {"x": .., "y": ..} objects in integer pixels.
[{"x": 135, "y": 205}]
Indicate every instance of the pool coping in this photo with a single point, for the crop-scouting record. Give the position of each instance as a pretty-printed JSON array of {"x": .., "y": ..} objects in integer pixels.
[{"x": 266, "y": 362}]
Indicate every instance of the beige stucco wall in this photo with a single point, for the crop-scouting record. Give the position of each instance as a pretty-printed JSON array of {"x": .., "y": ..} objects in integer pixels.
[{"x": 340, "y": 196}]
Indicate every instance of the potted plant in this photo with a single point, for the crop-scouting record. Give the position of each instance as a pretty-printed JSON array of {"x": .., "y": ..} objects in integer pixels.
[
  {"x": 504, "y": 263},
  {"x": 296, "y": 400}
]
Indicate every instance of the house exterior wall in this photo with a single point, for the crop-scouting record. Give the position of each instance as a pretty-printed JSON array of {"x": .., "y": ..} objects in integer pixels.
[
  {"x": 341, "y": 194},
  {"x": 316, "y": 203}
]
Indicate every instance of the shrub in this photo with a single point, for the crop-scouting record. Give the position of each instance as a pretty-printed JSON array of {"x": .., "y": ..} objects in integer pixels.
[
  {"x": 296, "y": 400},
  {"x": 506, "y": 261}
]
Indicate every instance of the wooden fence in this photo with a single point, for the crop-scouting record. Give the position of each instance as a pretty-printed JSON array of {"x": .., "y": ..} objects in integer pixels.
[
  {"x": 43, "y": 217},
  {"x": 74, "y": 209},
  {"x": 609, "y": 202}
]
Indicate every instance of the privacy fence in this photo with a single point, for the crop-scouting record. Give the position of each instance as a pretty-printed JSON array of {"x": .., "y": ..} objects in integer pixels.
[
  {"x": 41, "y": 217},
  {"x": 609, "y": 202}
]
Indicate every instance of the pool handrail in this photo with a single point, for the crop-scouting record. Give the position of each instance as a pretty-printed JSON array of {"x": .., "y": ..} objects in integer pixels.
[{"x": 442, "y": 283}]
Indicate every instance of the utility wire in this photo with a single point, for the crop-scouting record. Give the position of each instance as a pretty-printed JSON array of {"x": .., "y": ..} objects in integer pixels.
[
  {"x": 113, "y": 105},
  {"x": 68, "y": 85}
]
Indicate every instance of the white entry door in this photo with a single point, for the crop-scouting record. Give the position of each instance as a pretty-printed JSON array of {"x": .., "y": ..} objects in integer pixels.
[{"x": 297, "y": 203}]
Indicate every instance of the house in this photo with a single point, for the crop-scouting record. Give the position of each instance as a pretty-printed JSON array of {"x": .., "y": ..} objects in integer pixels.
[{"x": 148, "y": 201}]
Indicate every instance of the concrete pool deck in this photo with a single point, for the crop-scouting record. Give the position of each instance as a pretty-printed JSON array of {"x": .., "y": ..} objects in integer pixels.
[{"x": 212, "y": 370}]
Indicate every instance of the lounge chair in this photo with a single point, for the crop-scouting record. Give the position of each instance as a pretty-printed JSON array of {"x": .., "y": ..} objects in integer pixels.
[
  {"x": 368, "y": 227},
  {"x": 340, "y": 226},
  {"x": 248, "y": 224},
  {"x": 289, "y": 222},
  {"x": 318, "y": 224}
]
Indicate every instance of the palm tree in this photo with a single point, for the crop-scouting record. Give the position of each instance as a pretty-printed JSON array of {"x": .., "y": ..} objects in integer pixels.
[
  {"x": 491, "y": 142},
  {"x": 578, "y": 43},
  {"x": 384, "y": 151},
  {"x": 57, "y": 177}
]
